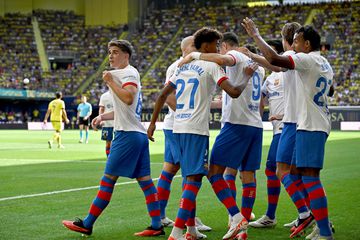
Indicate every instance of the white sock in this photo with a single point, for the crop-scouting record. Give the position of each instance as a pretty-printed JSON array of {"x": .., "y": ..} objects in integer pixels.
[
  {"x": 192, "y": 230},
  {"x": 176, "y": 232},
  {"x": 304, "y": 215},
  {"x": 237, "y": 218}
]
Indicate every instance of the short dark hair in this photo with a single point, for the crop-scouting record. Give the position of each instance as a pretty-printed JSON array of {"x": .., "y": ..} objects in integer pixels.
[
  {"x": 251, "y": 48},
  {"x": 276, "y": 44},
  {"x": 58, "y": 94},
  {"x": 124, "y": 45},
  {"x": 311, "y": 35},
  {"x": 206, "y": 35},
  {"x": 231, "y": 39},
  {"x": 288, "y": 31}
]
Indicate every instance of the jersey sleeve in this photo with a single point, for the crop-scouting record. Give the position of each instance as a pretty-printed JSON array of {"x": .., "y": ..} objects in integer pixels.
[
  {"x": 129, "y": 80},
  {"x": 264, "y": 90},
  {"x": 301, "y": 61},
  {"x": 170, "y": 71},
  {"x": 101, "y": 103},
  {"x": 62, "y": 104},
  {"x": 172, "y": 80},
  {"x": 79, "y": 107},
  {"x": 217, "y": 73}
]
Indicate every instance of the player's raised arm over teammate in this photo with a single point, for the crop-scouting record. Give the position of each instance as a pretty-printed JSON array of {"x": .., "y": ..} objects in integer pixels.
[{"x": 313, "y": 82}]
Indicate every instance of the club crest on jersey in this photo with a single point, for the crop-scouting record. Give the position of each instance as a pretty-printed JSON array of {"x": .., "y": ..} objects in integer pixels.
[{"x": 276, "y": 82}]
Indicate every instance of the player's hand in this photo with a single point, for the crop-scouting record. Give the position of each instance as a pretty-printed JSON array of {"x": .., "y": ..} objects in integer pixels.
[
  {"x": 250, "y": 69},
  {"x": 95, "y": 122},
  {"x": 150, "y": 132},
  {"x": 85, "y": 118},
  {"x": 186, "y": 60},
  {"x": 45, "y": 122},
  {"x": 67, "y": 121},
  {"x": 276, "y": 117},
  {"x": 107, "y": 77},
  {"x": 77, "y": 121},
  {"x": 250, "y": 27}
]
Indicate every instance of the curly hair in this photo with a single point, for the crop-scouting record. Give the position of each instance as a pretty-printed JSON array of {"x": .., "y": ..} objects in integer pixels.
[{"x": 206, "y": 35}]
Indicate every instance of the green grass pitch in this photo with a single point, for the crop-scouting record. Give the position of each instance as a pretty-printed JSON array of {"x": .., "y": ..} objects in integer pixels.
[{"x": 33, "y": 180}]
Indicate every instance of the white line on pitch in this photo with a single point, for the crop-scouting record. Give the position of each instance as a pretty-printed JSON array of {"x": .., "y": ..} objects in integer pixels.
[
  {"x": 7, "y": 162},
  {"x": 67, "y": 190}
]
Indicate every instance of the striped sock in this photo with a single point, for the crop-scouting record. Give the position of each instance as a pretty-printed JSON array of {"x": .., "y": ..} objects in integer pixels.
[
  {"x": 223, "y": 193},
  {"x": 163, "y": 189},
  {"x": 294, "y": 193},
  {"x": 273, "y": 191},
  {"x": 190, "y": 223},
  {"x": 191, "y": 220},
  {"x": 318, "y": 203},
  {"x": 299, "y": 183},
  {"x": 230, "y": 180},
  {"x": 152, "y": 202},
  {"x": 81, "y": 135},
  {"x": 187, "y": 203},
  {"x": 248, "y": 199},
  {"x": 100, "y": 202},
  {"x": 86, "y": 135}
]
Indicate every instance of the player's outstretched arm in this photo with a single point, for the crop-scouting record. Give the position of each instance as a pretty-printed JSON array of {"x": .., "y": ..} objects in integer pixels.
[
  {"x": 260, "y": 60},
  {"x": 222, "y": 60},
  {"x": 160, "y": 101},
  {"x": 271, "y": 56},
  {"x": 233, "y": 91}
]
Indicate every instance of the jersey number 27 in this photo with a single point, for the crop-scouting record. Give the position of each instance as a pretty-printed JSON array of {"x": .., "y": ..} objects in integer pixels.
[{"x": 180, "y": 84}]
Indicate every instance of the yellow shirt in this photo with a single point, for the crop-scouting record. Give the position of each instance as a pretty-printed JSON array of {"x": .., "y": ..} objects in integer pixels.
[{"x": 56, "y": 107}]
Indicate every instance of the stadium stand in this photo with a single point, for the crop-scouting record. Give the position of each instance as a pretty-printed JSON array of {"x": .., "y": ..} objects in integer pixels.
[
  {"x": 156, "y": 47},
  {"x": 341, "y": 31},
  {"x": 19, "y": 57}
]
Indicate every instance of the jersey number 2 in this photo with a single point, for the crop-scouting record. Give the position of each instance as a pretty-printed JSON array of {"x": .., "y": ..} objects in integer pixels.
[
  {"x": 318, "y": 97},
  {"x": 256, "y": 86}
]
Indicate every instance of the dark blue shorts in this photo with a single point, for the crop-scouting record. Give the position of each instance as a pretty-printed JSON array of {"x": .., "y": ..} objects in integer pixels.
[
  {"x": 171, "y": 154},
  {"x": 129, "y": 155},
  {"x": 310, "y": 149},
  {"x": 107, "y": 133},
  {"x": 193, "y": 149},
  {"x": 238, "y": 147},
  {"x": 271, "y": 159},
  {"x": 286, "y": 148},
  {"x": 84, "y": 122}
]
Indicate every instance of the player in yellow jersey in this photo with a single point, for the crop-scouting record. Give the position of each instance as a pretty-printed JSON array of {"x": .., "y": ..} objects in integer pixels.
[{"x": 57, "y": 113}]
